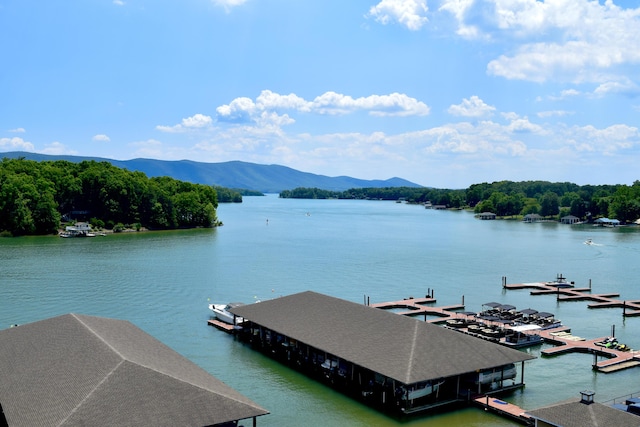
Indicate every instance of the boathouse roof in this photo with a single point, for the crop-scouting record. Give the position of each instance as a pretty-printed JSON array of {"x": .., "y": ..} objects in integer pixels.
[
  {"x": 82, "y": 370},
  {"x": 399, "y": 347}
]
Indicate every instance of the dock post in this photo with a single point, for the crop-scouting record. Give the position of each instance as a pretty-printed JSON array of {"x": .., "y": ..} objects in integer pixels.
[
  {"x": 589, "y": 284},
  {"x": 463, "y": 300},
  {"x": 624, "y": 308},
  {"x": 613, "y": 331}
]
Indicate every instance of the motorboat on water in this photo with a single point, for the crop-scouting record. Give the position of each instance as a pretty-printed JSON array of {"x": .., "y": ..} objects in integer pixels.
[
  {"x": 588, "y": 242},
  {"x": 561, "y": 282},
  {"x": 223, "y": 312}
]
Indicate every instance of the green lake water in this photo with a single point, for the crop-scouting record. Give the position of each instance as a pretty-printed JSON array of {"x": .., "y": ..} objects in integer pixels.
[{"x": 384, "y": 251}]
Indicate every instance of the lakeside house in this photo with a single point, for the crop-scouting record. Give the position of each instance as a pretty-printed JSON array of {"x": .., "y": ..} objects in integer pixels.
[
  {"x": 533, "y": 217},
  {"x": 606, "y": 222},
  {"x": 569, "y": 219},
  {"x": 394, "y": 363},
  {"x": 75, "y": 370},
  {"x": 79, "y": 229}
]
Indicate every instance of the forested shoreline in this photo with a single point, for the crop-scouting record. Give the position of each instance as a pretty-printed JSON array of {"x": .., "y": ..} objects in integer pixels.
[
  {"x": 508, "y": 199},
  {"x": 36, "y": 197}
]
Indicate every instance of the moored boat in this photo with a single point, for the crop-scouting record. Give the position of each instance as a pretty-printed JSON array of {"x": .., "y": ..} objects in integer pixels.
[{"x": 222, "y": 312}]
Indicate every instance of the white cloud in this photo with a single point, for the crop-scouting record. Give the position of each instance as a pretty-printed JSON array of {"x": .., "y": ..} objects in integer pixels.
[
  {"x": 16, "y": 143},
  {"x": 197, "y": 121},
  {"x": 229, "y": 4},
  {"x": 553, "y": 113},
  {"x": 625, "y": 87},
  {"x": 410, "y": 13},
  {"x": 17, "y": 130},
  {"x": 471, "y": 107},
  {"x": 607, "y": 141},
  {"x": 118, "y": 2},
  {"x": 57, "y": 148},
  {"x": 101, "y": 138},
  {"x": 245, "y": 110},
  {"x": 564, "y": 40}
]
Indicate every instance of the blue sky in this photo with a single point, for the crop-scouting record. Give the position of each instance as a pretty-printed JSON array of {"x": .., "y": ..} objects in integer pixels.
[{"x": 443, "y": 93}]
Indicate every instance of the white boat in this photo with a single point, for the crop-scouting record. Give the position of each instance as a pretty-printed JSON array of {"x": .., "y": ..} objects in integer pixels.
[
  {"x": 560, "y": 282},
  {"x": 422, "y": 389},
  {"x": 588, "y": 242},
  {"x": 222, "y": 313},
  {"x": 488, "y": 376}
]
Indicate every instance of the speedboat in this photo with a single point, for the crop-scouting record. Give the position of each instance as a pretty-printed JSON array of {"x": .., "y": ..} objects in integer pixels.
[
  {"x": 588, "y": 242},
  {"x": 223, "y": 313}
]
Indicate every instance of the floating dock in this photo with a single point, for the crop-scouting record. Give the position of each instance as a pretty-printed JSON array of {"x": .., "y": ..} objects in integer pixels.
[
  {"x": 504, "y": 409},
  {"x": 630, "y": 308}
]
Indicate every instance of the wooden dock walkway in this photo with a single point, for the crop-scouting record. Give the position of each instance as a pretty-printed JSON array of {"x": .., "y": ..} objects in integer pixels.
[
  {"x": 504, "y": 409},
  {"x": 563, "y": 341},
  {"x": 630, "y": 308},
  {"x": 226, "y": 327},
  {"x": 416, "y": 307}
]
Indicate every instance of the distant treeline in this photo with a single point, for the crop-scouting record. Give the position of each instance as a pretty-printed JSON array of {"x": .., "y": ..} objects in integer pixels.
[
  {"x": 508, "y": 198},
  {"x": 36, "y": 196}
]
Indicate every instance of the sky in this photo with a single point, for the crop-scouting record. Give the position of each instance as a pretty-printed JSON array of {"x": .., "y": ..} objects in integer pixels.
[{"x": 444, "y": 93}]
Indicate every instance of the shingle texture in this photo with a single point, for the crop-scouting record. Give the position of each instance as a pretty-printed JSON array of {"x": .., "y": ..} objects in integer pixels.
[
  {"x": 405, "y": 349},
  {"x": 77, "y": 370},
  {"x": 577, "y": 414}
]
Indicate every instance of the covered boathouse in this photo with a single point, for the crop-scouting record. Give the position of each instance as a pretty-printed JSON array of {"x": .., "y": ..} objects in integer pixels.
[{"x": 394, "y": 363}]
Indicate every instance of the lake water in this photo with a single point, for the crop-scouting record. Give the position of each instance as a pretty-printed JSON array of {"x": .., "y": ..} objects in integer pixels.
[{"x": 163, "y": 281}]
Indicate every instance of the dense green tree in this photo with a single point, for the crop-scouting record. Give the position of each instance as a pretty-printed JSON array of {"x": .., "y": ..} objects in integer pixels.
[
  {"x": 549, "y": 204},
  {"x": 34, "y": 196}
]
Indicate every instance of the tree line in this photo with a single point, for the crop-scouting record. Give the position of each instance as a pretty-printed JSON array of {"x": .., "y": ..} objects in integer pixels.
[
  {"x": 36, "y": 196},
  {"x": 508, "y": 198}
]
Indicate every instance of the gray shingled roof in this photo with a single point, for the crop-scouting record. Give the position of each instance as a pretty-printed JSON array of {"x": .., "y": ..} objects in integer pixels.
[
  {"x": 83, "y": 370},
  {"x": 577, "y": 414},
  {"x": 405, "y": 349}
]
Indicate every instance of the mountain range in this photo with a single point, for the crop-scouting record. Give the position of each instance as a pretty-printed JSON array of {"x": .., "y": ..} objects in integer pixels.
[{"x": 233, "y": 174}]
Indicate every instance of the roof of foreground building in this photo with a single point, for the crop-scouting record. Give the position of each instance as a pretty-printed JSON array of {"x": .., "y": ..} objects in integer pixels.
[{"x": 83, "y": 370}]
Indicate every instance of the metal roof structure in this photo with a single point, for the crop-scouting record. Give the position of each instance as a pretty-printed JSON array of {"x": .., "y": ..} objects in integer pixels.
[
  {"x": 74, "y": 370},
  {"x": 399, "y": 347}
]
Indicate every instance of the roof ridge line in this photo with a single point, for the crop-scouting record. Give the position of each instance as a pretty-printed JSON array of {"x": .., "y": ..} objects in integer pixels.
[
  {"x": 98, "y": 335},
  {"x": 413, "y": 348},
  {"x": 74, "y": 410}
]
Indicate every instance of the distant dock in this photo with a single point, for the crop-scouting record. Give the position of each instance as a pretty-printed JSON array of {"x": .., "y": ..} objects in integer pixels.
[{"x": 566, "y": 291}]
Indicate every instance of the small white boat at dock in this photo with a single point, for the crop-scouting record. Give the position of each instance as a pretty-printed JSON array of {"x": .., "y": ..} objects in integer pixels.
[{"x": 222, "y": 312}]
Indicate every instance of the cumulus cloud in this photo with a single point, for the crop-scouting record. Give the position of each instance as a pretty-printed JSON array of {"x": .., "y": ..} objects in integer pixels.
[
  {"x": 197, "y": 121},
  {"x": 101, "y": 138},
  {"x": 269, "y": 107},
  {"x": 409, "y": 13},
  {"x": 607, "y": 141},
  {"x": 16, "y": 143},
  {"x": 575, "y": 41},
  {"x": 471, "y": 107}
]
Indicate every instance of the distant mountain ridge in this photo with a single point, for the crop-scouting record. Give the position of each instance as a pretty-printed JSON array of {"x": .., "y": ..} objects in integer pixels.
[{"x": 233, "y": 174}]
